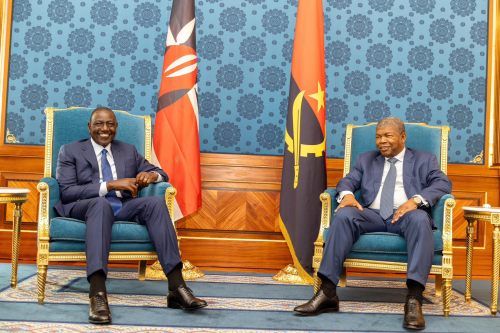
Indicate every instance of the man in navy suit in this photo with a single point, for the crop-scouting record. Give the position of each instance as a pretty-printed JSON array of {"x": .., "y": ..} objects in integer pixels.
[
  {"x": 398, "y": 186},
  {"x": 99, "y": 179}
]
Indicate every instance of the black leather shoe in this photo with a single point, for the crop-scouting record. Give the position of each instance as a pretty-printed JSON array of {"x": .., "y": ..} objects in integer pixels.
[
  {"x": 183, "y": 298},
  {"x": 414, "y": 319},
  {"x": 318, "y": 304},
  {"x": 99, "y": 312}
]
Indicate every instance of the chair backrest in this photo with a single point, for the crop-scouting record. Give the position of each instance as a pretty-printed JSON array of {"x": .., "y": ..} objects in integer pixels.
[
  {"x": 69, "y": 125},
  {"x": 361, "y": 139}
]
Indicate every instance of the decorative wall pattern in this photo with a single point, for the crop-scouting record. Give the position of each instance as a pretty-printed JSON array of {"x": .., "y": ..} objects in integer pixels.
[{"x": 422, "y": 61}]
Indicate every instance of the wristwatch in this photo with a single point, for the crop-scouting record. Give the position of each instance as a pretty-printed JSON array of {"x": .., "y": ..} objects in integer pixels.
[{"x": 418, "y": 201}]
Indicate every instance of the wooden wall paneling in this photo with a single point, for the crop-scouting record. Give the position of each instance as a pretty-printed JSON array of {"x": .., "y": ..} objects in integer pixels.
[
  {"x": 467, "y": 198},
  {"x": 27, "y": 250},
  {"x": 243, "y": 254},
  {"x": 30, "y": 208}
]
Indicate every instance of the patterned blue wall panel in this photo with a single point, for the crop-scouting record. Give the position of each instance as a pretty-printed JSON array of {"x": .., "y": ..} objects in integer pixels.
[{"x": 422, "y": 61}]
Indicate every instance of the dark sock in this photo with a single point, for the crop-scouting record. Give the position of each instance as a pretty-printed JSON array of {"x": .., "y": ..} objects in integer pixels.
[
  {"x": 175, "y": 278},
  {"x": 415, "y": 290},
  {"x": 97, "y": 283},
  {"x": 328, "y": 287}
]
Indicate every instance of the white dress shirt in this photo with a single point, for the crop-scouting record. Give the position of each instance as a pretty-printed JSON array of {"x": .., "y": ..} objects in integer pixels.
[
  {"x": 103, "y": 190},
  {"x": 399, "y": 191}
]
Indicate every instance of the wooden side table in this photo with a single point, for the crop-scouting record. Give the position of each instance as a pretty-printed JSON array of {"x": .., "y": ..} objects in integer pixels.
[
  {"x": 17, "y": 196},
  {"x": 473, "y": 214}
]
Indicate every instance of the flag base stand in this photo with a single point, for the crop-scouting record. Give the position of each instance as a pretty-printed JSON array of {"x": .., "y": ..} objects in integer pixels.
[
  {"x": 289, "y": 274},
  {"x": 189, "y": 271}
]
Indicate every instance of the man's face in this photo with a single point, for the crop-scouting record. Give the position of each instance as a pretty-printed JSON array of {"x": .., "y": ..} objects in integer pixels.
[
  {"x": 102, "y": 127},
  {"x": 389, "y": 141}
]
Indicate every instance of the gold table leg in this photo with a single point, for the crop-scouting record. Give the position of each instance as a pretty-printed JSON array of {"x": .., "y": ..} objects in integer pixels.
[
  {"x": 16, "y": 240},
  {"x": 470, "y": 244},
  {"x": 494, "y": 273}
]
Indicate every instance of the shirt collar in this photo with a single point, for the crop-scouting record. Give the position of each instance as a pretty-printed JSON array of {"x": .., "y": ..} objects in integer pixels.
[
  {"x": 98, "y": 148},
  {"x": 400, "y": 156}
]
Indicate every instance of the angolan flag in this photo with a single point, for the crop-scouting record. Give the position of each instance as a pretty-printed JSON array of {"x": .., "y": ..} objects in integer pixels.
[
  {"x": 304, "y": 162},
  {"x": 176, "y": 145}
]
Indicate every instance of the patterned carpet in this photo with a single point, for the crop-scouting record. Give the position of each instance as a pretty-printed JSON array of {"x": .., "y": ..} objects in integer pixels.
[{"x": 246, "y": 297}]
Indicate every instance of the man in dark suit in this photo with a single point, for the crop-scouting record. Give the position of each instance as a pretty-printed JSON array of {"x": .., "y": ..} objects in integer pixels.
[
  {"x": 99, "y": 179},
  {"x": 398, "y": 186}
]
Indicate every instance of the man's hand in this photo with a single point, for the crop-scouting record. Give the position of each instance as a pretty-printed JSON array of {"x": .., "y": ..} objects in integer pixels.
[
  {"x": 125, "y": 184},
  {"x": 349, "y": 201},
  {"x": 403, "y": 209},
  {"x": 145, "y": 178}
]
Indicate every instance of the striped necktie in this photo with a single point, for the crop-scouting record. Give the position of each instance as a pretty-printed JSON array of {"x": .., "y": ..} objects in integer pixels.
[
  {"x": 107, "y": 176},
  {"x": 387, "y": 197}
]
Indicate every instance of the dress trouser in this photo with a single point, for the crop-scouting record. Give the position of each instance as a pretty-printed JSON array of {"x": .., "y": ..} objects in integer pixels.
[
  {"x": 99, "y": 218},
  {"x": 349, "y": 223}
]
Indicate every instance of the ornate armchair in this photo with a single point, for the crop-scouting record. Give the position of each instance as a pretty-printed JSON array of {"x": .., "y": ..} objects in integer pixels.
[
  {"x": 383, "y": 250},
  {"x": 63, "y": 239}
]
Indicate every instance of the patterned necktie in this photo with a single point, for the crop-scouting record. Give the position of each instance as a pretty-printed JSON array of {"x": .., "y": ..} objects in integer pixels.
[
  {"x": 107, "y": 176},
  {"x": 387, "y": 197}
]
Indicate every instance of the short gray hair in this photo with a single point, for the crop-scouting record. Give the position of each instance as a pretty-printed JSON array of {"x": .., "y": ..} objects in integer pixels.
[{"x": 392, "y": 121}]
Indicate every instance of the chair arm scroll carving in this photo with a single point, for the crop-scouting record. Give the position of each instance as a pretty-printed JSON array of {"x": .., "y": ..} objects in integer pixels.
[{"x": 43, "y": 224}]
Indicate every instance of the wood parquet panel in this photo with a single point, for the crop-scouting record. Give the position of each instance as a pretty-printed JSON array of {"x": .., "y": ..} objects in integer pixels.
[
  {"x": 231, "y": 210},
  {"x": 463, "y": 199},
  {"x": 30, "y": 208}
]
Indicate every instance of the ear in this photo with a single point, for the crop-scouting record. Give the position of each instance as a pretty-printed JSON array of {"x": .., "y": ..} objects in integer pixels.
[
  {"x": 89, "y": 128},
  {"x": 403, "y": 137}
]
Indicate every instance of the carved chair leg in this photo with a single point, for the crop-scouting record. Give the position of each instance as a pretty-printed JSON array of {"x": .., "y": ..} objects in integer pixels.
[
  {"x": 142, "y": 269},
  {"x": 439, "y": 284},
  {"x": 41, "y": 278},
  {"x": 446, "y": 297},
  {"x": 343, "y": 278}
]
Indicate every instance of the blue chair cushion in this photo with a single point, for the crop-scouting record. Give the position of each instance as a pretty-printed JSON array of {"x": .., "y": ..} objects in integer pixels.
[
  {"x": 71, "y": 246},
  {"x": 68, "y": 235}
]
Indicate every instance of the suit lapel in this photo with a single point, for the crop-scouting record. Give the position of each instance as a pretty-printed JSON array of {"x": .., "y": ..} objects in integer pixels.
[
  {"x": 408, "y": 164},
  {"x": 89, "y": 154},
  {"x": 119, "y": 160}
]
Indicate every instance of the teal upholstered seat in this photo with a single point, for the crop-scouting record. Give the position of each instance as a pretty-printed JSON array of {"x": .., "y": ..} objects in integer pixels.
[
  {"x": 63, "y": 239},
  {"x": 383, "y": 250}
]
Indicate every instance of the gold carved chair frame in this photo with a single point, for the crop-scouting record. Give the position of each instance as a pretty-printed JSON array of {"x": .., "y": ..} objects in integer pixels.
[{"x": 443, "y": 272}]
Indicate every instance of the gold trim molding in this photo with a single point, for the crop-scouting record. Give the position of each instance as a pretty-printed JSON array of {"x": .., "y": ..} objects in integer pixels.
[
  {"x": 10, "y": 138},
  {"x": 478, "y": 159}
]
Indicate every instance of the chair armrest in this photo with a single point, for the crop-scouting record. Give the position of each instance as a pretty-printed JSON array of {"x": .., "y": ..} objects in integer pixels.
[
  {"x": 49, "y": 186},
  {"x": 329, "y": 204},
  {"x": 438, "y": 210},
  {"x": 154, "y": 190},
  {"x": 327, "y": 201},
  {"x": 49, "y": 196},
  {"x": 164, "y": 190},
  {"x": 332, "y": 192}
]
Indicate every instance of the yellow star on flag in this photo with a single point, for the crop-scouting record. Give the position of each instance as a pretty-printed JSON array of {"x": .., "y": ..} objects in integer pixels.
[{"x": 320, "y": 97}]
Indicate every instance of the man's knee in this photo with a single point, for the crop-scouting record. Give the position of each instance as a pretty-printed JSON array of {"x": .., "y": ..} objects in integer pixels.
[
  {"x": 99, "y": 205},
  {"x": 419, "y": 219},
  {"x": 156, "y": 201},
  {"x": 344, "y": 214}
]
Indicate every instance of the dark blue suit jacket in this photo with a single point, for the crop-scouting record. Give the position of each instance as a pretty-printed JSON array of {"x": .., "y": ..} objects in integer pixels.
[
  {"x": 421, "y": 175},
  {"x": 78, "y": 172}
]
